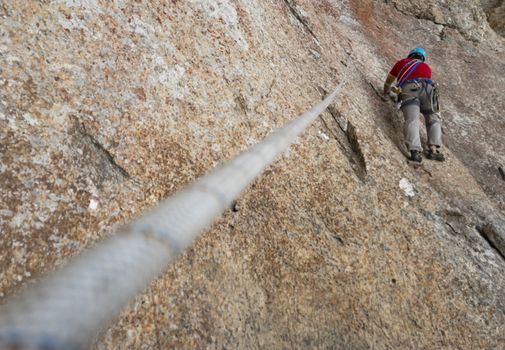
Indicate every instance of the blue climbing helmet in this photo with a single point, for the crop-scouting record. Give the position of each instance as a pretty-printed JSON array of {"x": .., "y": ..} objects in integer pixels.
[{"x": 418, "y": 52}]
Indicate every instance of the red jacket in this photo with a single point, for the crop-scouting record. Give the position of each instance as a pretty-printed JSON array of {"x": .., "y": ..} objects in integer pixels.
[{"x": 409, "y": 68}]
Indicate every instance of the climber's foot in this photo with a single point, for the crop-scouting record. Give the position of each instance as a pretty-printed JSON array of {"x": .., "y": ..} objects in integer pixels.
[
  {"x": 415, "y": 156},
  {"x": 434, "y": 154}
]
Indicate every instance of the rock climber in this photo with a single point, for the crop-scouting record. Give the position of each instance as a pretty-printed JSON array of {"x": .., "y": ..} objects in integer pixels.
[{"x": 417, "y": 93}]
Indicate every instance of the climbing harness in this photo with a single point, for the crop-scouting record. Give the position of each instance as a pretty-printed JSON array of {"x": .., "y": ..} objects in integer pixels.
[{"x": 425, "y": 92}]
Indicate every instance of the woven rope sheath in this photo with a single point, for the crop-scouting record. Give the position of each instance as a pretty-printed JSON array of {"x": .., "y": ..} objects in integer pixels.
[{"x": 68, "y": 308}]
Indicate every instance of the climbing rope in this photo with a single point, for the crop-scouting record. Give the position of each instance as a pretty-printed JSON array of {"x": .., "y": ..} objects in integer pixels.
[{"x": 67, "y": 309}]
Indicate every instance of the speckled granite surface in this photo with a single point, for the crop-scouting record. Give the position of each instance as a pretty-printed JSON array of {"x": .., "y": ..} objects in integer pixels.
[{"x": 108, "y": 107}]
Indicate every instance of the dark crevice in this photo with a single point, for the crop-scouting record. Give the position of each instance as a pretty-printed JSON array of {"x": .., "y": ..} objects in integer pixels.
[
  {"x": 100, "y": 149},
  {"x": 492, "y": 237},
  {"x": 299, "y": 17},
  {"x": 234, "y": 206},
  {"x": 352, "y": 136},
  {"x": 339, "y": 137},
  {"x": 330, "y": 131},
  {"x": 345, "y": 135},
  {"x": 452, "y": 228},
  {"x": 341, "y": 122},
  {"x": 502, "y": 173}
]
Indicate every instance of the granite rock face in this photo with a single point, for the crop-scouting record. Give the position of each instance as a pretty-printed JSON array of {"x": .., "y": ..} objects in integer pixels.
[
  {"x": 495, "y": 11},
  {"x": 108, "y": 107}
]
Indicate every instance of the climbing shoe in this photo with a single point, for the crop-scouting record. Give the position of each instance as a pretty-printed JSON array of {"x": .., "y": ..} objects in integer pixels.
[
  {"x": 435, "y": 155},
  {"x": 415, "y": 156}
]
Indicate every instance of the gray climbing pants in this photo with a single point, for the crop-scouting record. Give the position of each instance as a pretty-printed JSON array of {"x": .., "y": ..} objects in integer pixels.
[{"x": 414, "y": 102}]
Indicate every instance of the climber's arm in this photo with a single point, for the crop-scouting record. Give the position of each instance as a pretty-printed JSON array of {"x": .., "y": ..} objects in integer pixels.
[{"x": 387, "y": 84}]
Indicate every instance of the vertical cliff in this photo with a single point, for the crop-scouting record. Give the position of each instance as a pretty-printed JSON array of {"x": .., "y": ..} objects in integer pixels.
[{"x": 108, "y": 107}]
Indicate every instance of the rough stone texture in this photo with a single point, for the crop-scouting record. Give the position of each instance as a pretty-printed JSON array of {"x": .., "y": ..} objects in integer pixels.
[
  {"x": 468, "y": 17},
  {"x": 495, "y": 10},
  {"x": 106, "y": 108}
]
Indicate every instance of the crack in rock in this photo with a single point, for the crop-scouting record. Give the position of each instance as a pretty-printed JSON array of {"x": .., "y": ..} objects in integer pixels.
[
  {"x": 495, "y": 239},
  {"x": 352, "y": 136},
  {"x": 299, "y": 17},
  {"x": 452, "y": 228},
  {"x": 99, "y": 148},
  {"x": 345, "y": 135},
  {"x": 502, "y": 173}
]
